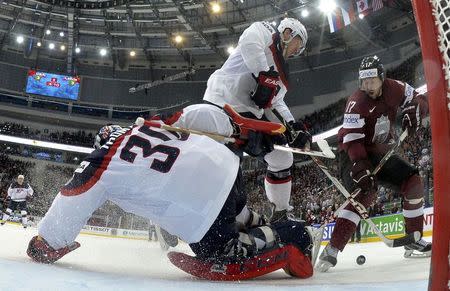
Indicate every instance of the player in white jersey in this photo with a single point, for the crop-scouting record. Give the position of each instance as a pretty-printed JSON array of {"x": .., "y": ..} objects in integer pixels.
[
  {"x": 187, "y": 184},
  {"x": 254, "y": 81},
  {"x": 18, "y": 193}
]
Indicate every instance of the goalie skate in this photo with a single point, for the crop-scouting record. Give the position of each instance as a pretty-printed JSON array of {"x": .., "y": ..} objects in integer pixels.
[
  {"x": 419, "y": 249},
  {"x": 166, "y": 240},
  {"x": 327, "y": 259},
  {"x": 316, "y": 238}
]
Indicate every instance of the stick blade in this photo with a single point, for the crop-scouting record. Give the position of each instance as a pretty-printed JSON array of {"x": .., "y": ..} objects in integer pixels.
[{"x": 325, "y": 148}]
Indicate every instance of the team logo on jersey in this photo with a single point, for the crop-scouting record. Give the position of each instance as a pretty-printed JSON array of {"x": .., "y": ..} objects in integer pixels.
[
  {"x": 370, "y": 73},
  {"x": 382, "y": 128},
  {"x": 353, "y": 121}
]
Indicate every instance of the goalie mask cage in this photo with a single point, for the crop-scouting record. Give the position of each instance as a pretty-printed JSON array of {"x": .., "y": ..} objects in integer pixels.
[{"x": 433, "y": 23}]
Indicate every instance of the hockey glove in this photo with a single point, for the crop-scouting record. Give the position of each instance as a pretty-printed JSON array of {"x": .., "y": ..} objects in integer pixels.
[
  {"x": 361, "y": 174},
  {"x": 267, "y": 88},
  {"x": 258, "y": 144},
  {"x": 300, "y": 138},
  {"x": 411, "y": 117}
]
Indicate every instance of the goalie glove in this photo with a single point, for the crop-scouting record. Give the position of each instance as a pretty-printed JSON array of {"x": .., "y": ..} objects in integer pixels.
[
  {"x": 411, "y": 117},
  {"x": 267, "y": 88},
  {"x": 361, "y": 173},
  {"x": 300, "y": 138}
]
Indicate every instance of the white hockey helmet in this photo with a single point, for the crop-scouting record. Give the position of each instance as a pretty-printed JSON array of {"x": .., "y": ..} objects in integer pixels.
[{"x": 297, "y": 29}]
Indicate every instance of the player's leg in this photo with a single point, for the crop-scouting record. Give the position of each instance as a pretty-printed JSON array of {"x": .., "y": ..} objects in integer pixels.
[
  {"x": 23, "y": 213},
  {"x": 401, "y": 176},
  {"x": 12, "y": 205},
  {"x": 347, "y": 219},
  {"x": 219, "y": 240},
  {"x": 278, "y": 182}
]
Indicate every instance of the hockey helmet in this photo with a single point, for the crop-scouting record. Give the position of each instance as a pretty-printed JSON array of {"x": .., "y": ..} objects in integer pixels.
[
  {"x": 371, "y": 67},
  {"x": 297, "y": 28},
  {"x": 104, "y": 133}
]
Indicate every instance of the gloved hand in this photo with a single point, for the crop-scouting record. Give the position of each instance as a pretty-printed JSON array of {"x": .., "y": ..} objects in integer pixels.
[
  {"x": 258, "y": 144},
  {"x": 411, "y": 117},
  {"x": 302, "y": 138},
  {"x": 361, "y": 173},
  {"x": 267, "y": 88}
]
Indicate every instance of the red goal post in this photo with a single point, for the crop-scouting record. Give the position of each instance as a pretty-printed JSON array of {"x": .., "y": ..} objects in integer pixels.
[{"x": 433, "y": 24}]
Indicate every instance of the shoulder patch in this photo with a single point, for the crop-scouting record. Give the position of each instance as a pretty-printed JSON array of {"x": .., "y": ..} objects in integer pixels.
[{"x": 268, "y": 26}]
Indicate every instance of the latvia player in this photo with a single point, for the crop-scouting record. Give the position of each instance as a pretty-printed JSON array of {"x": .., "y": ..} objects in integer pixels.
[{"x": 363, "y": 140}]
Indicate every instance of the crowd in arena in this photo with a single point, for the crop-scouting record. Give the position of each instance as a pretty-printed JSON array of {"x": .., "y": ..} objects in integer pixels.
[{"x": 79, "y": 138}]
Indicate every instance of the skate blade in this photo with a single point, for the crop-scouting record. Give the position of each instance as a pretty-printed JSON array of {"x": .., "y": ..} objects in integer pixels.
[
  {"x": 323, "y": 266},
  {"x": 416, "y": 255}
]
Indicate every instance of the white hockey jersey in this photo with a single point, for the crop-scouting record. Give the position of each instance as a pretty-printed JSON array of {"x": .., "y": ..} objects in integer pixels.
[
  {"x": 19, "y": 192},
  {"x": 257, "y": 50},
  {"x": 178, "y": 182}
]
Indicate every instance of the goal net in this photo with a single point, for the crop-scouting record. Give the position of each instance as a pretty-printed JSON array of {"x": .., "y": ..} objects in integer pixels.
[{"x": 433, "y": 23}]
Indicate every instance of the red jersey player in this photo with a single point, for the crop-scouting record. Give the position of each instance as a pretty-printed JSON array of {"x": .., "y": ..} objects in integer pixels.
[{"x": 364, "y": 139}]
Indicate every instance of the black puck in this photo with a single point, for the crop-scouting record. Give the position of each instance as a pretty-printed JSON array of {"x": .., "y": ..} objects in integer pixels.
[{"x": 361, "y": 260}]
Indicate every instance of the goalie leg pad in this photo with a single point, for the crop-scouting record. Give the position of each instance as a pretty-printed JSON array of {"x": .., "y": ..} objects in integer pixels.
[
  {"x": 285, "y": 257},
  {"x": 40, "y": 251}
]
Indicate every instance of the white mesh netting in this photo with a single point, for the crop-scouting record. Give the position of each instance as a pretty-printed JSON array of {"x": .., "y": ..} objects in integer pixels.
[{"x": 441, "y": 12}]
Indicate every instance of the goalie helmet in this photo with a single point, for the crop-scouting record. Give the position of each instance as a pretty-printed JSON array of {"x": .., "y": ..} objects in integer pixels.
[
  {"x": 297, "y": 28},
  {"x": 371, "y": 67},
  {"x": 104, "y": 133}
]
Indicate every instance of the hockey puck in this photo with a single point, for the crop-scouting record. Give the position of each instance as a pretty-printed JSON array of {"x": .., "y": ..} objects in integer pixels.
[{"x": 361, "y": 260}]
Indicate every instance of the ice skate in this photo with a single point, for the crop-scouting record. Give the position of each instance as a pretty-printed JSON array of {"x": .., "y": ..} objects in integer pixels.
[
  {"x": 327, "y": 259},
  {"x": 419, "y": 249},
  {"x": 316, "y": 240},
  {"x": 166, "y": 240}
]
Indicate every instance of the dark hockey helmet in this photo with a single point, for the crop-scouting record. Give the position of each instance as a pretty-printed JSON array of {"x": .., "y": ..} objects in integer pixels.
[
  {"x": 104, "y": 133},
  {"x": 371, "y": 67}
]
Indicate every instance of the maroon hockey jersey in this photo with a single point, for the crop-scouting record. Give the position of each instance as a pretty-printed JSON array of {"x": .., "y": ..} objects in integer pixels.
[{"x": 369, "y": 122}]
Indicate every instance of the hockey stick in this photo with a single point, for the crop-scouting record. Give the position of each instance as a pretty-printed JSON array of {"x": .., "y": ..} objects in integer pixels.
[
  {"x": 325, "y": 149},
  {"x": 221, "y": 138},
  {"x": 397, "y": 242}
]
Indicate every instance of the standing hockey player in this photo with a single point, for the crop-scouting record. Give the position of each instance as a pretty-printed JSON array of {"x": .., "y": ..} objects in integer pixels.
[
  {"x": 156, "y": 174},
  {"x": 363, "y": 140},
  {"x": 254, "y": 81},
  {"x": 18, "y": 193}
]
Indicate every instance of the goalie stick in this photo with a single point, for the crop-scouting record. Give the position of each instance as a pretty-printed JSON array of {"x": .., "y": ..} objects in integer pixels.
[
  {"x": 397, "y": 242},
  {"x": 245, "y": 124}
]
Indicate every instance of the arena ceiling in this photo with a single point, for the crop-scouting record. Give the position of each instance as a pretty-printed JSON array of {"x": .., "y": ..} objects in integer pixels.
[{"x": 146, "y": 30}]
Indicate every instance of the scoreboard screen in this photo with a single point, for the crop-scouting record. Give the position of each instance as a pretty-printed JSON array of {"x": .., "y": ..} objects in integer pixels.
[{"x": 53, "y": 85}]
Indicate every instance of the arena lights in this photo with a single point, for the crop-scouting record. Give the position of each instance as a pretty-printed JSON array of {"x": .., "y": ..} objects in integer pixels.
[
  {"x": 77, "y": 50},
  {"x": 48, "y": 32},
  {"x": 178, "y": 38},
  {"x": 20, "y": 39},
  {"x": 230, "y": 49},
  {"x": 63, "y": 47},
  {"x": 51, "y": 45},
  {"x": 327, "y": 6},
  {"x": 215, "y": 7},
  {"x": 132, "y": 53},
  {"x": 39, "y": 44},
  {"x": 305, "y": 13},
  {"x": 103, "y": 52},
  {"x": 61, "y": 34},
  {"x": 361, "y": 16},
  {"x": 274, "y": 23}
]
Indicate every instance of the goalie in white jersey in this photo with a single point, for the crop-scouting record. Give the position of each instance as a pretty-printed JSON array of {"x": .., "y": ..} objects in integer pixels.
[
  {"x": 254, "y": 81},
  {"x": 187, "y": 184}
]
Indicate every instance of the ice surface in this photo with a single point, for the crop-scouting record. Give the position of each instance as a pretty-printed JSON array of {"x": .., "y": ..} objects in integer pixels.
[{"x": 122, "y": 264}]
